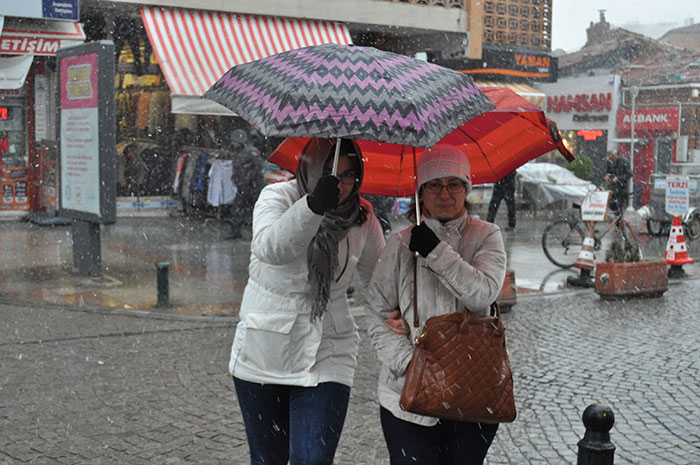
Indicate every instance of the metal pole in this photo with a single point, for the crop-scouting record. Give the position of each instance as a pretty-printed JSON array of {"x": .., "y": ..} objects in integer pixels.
[
  {"x": 163, "y": 284},
  {"x": 630, "y": 189}
]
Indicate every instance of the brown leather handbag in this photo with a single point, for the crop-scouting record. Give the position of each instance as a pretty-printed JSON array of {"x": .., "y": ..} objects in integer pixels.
[{"x": 460, "y": 369}]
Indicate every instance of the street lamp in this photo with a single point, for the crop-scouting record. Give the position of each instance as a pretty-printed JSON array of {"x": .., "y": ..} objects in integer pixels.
[{"x": 630, "y": 188}]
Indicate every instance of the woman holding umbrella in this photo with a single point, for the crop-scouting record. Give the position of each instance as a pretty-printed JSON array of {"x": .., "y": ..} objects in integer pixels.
[
  {"x": 462, "y": 263},
  {"x": 294, "y": 353}
]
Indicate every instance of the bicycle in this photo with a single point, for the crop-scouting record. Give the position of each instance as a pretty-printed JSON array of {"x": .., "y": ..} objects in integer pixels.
[{"x": 562, "y": 239}]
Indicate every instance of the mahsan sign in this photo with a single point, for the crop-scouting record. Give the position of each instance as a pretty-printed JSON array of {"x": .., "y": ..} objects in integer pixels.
[{"x": 579, "y": 103}]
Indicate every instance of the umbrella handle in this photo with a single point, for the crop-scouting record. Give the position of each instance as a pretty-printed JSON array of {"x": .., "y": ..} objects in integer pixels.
[
  {"x": 336, "y": 157},
  {"x": 415, "y": 177}
]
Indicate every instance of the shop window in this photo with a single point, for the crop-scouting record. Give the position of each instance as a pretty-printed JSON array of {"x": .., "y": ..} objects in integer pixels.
[{"x": 12, "y": 148}]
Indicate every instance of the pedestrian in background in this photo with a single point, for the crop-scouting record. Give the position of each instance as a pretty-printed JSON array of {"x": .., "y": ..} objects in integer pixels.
[
  {"x": 617, "y": 175},
  {"x": 462, "y": 263},
  {"x": 503, "y": 189},
  {"x": 295, "y": 350},
  {"x": 249, "y": 181}
]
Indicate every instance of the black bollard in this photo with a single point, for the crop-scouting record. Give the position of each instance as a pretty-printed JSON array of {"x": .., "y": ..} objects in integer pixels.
[
  {"x": 163, "y": 285},
  {"x": 595, "y": 448}
]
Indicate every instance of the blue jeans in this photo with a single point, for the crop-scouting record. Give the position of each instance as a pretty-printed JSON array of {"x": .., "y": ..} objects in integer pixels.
[
  {"x": 301, "y": 425},
  {"x": 447, "y": 443}
]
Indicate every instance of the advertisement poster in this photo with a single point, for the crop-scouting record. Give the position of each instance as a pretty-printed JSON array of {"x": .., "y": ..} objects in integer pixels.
[
  {"x": 80, "y": 161},
  {"x": 14, "y": 185}
]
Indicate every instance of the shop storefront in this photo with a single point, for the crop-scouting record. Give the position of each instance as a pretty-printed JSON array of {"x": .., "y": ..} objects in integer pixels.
[
  {"x": 27, "y": 109},
  {"x": 168, "y": 58},
  {"x": 584, "y": 109},
  {"x": 655, "y": 131}
]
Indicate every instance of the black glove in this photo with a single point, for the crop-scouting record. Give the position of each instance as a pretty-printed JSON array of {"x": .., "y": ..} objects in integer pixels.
[
  {"x": 423, "y": 240},
  {"x": 324, "y": 198}
]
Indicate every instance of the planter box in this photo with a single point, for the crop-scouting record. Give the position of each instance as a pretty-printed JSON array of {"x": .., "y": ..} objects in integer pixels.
[
  {"x": 639, "y": 279},
  {"x": 508, "y": 296}
]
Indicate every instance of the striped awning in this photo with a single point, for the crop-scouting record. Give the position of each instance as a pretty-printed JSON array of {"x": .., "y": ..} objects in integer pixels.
[
  {"x": 194, "y": 47},
  {"x": 528, "y": 93}
]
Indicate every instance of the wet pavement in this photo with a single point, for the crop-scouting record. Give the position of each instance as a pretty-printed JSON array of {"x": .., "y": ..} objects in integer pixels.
[
  {"x": 207, "y": 273},
  {"x": 88, "y": 386},
  {"x": 91, "y": 373}
]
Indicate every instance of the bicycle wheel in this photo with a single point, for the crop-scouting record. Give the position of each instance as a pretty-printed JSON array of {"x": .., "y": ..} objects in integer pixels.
[
  {"x": 562, "y": 241},
  {"x": 629, "y": 236}
]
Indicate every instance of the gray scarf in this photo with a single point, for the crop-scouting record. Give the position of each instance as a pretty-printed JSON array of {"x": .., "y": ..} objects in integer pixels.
[{"x": 322, "y": 254}]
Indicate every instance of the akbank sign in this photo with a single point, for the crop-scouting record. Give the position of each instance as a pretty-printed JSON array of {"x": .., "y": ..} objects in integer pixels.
[{"x": 648, "y": 119}]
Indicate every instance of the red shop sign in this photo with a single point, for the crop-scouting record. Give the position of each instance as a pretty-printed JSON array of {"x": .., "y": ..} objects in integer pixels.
[{"x": 648, "y": 118}]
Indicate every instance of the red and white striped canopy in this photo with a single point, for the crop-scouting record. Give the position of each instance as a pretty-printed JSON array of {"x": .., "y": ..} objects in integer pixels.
[{"x": 195, "y": 48}]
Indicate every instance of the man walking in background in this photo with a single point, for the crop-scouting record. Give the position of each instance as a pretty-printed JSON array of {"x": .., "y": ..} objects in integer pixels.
[
  {"x": 617, "y": 175},
  {"x": 504, "y": 189}
]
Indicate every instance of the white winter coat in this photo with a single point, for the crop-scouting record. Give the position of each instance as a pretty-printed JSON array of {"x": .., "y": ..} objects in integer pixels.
[
  {"x": 466, "y": 269},
  {"x": 275, "y": 341}
]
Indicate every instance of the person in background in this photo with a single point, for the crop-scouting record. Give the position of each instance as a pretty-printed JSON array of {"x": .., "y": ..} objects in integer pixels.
[
  {"x": 503, "y": 189},
  {"x": 617, "y": 175},
  {"x": 295, "y": 350},
  {"x": 249, "y": 181},
  {"x": 461, "y": 265}
]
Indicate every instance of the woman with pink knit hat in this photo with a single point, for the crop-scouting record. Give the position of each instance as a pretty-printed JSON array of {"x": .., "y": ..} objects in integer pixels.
[{"x": 461, "y": 263}]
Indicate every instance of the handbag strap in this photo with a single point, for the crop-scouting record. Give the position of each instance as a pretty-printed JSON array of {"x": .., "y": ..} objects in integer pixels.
[{"x": 494, "y": 308}]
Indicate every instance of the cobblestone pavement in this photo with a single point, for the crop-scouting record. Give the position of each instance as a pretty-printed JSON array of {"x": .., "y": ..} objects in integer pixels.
[{"x": 95, "y": 387}]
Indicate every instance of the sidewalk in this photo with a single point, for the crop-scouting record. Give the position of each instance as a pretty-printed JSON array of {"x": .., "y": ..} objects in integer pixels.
[{"x": 207, "y": 273}]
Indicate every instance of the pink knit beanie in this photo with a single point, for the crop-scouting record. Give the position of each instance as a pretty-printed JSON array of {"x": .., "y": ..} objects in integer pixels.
[{"x": 443, "y": 161}]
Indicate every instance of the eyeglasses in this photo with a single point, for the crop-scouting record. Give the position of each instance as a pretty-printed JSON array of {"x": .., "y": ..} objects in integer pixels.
[
  {"x": 435, "y": 187},
  {"x": 346, "y": 177}
]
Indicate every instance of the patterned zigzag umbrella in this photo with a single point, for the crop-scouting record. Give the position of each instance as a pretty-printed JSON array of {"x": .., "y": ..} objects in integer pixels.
[{"x": 349, "y": 91}]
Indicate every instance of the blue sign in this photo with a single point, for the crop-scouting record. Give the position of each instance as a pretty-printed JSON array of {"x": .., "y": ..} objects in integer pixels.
[{"x": 60, "y": 9}]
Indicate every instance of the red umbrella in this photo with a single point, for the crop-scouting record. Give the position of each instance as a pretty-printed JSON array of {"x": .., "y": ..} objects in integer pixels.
[{"x": 496, "y": 142}]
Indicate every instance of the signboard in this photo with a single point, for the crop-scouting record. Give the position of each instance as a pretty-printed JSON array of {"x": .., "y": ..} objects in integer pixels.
[
  {"x": 47, "y": 9},
  {"x": 14, "y": 70},
  {"x": 677, "y": 198},
  {"x": 23, "y": 36},
  {"x": 507, "y": 63},
  {"x": 595, "y": 206},
  {"x": 87, "y": 159},
  {"x": 648, "y": 118}
]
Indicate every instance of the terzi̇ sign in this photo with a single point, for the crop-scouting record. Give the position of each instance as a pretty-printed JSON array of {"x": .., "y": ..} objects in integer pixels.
[{"x": 579, "y": 103}]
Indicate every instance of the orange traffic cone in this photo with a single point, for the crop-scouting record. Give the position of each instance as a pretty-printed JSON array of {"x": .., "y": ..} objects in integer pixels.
[
  {"x": 676, "y": 252},
  {"x": 585, "y": 261}
]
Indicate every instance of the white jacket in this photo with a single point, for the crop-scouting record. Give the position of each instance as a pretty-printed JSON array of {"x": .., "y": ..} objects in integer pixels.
[
  {"x": 466, "y": 269},
  {"x": 275, "y": 341}
]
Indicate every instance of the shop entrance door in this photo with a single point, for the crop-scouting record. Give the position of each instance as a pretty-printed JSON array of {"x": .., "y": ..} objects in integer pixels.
[{"x": 664, "y": 155}]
